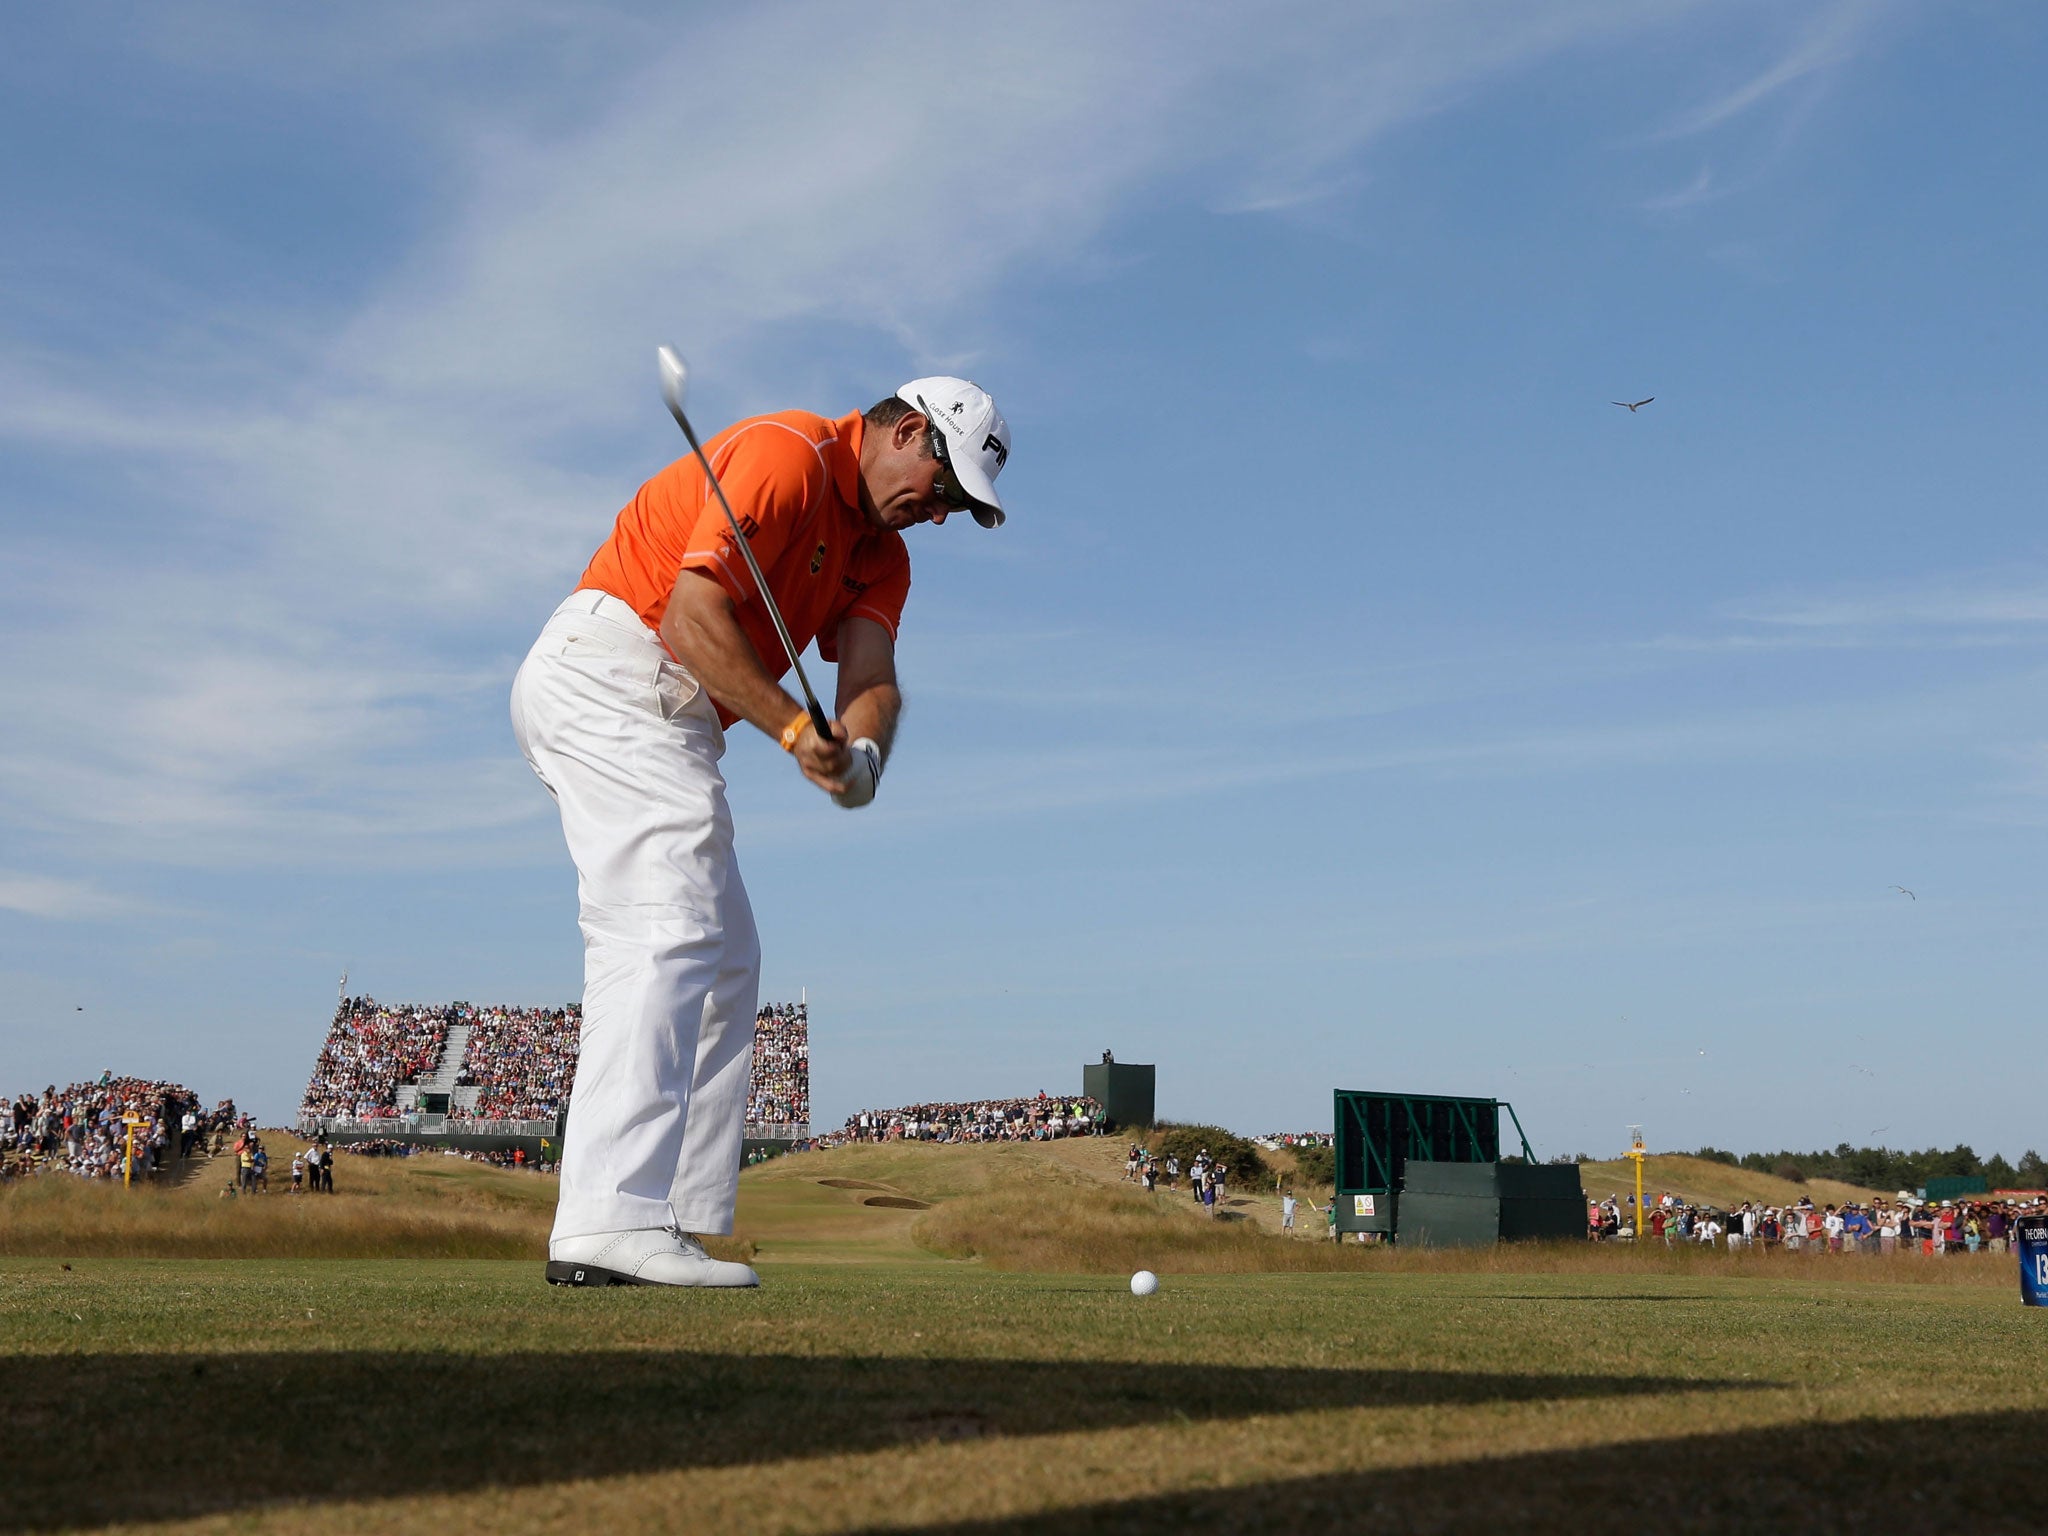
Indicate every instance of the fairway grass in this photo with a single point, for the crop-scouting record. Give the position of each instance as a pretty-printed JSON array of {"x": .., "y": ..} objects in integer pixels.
[{"x": 365, "y": 1396}]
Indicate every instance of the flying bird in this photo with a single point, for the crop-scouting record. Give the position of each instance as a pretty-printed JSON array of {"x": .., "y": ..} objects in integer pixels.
[
  {"x": 1904, "y": 892},
  {"x": 1632, "y": 406}
]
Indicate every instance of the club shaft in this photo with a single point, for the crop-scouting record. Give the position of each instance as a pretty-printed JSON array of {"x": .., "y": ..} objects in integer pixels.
[{"x": 818, "y": 715}]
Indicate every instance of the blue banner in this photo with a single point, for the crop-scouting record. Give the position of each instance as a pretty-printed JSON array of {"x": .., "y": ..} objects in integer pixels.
[{"x": 2030, "y": 1238}]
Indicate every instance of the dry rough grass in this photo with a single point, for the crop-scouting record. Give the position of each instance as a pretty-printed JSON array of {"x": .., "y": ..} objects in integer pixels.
[
  {"x": 1040, "y": 1226},
  {"x": 1049, "y": 1208},
  {"x": 1046, "y": 1225},
  {"x": 468, "y": 1219}
]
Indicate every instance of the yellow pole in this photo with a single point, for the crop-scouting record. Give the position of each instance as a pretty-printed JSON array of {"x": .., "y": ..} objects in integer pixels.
[
  {"x": 128, "y": 1162},
  {"x": 1635, "y": 1155}
]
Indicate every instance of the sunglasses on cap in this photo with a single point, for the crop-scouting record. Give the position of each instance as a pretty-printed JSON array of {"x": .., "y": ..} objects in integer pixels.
[{"x": 947, "y": 486}]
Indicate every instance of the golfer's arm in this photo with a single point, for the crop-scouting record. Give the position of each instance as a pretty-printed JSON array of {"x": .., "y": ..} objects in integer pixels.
[
  {"x": 702, "y": 630},
  {"x": 869, "y": 701}
]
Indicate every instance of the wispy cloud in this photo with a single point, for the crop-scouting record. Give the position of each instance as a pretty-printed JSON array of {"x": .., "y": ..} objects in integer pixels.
[
  {"x": 1959, "y": 611},
  {"x": 1996, "y": 600},
  {"x": 1701, "y": 189},
  {"x": 51, "y": 896},
  {"x": 1829, "y": 39},
  {"x": 341, "y": 538}
]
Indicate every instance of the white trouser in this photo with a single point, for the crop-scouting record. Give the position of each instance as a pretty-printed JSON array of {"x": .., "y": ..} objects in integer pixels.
[{"x": 628, "y": 745}]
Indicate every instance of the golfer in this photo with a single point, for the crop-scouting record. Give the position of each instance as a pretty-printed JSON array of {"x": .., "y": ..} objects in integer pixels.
[{"x": 621, "y": 709}]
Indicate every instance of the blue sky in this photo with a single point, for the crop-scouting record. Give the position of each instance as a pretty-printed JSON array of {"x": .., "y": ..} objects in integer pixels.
[{"x": 1355, "y": 696}]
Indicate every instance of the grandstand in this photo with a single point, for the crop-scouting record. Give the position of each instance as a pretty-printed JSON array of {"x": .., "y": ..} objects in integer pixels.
[{"x": 467, "y": 1075}]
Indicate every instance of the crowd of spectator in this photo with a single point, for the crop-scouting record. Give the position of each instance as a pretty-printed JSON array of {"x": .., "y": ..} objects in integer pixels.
[
  {"x": 779, "y": 1093},
  {"x": 311, "y": 1167},
  {"x": 523, "y": 1060},
  {"x": 1276, "y": 1139},
  {"x": 380, "y": 1146},
  {"x": 83, "y": 1128},
  {"x": 1040, "y": 1118},
  {"x": 371, "y": 1048},
  {"x": 504, "y": 1157},
  {"x": 1900, "y": 1224},
  {"x": 1208, "y": 1177}
]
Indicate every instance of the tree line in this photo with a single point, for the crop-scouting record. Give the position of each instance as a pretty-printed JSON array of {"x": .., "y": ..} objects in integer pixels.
[{"x": 1884, "y": 1168}]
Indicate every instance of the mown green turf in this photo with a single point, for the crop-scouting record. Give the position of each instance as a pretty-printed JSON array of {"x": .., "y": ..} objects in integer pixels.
[{"x": 352, "y": 1396}]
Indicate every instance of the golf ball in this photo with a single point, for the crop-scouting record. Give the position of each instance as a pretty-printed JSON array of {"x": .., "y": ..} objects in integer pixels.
[{"x": 1144, "y": 1283}]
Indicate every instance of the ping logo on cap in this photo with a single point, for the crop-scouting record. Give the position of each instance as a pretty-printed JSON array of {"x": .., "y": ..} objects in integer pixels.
[{"x": 967, "y": 424}]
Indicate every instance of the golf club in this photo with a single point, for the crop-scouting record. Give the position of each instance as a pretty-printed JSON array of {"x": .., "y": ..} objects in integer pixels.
[{"x": 675, "y": 376}]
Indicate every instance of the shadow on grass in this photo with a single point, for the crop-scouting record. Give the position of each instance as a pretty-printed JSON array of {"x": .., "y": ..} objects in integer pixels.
[
  {"x": 1890, "y": 1475},
  {"x": 101, "y": 1438}
]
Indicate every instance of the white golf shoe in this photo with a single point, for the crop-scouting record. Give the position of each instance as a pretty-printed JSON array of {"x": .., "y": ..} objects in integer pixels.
[{"x": 644, "y": 1256}]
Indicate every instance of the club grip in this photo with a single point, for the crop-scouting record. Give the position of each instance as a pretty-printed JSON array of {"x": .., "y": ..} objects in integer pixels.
[{"x": 824, "y": 726}]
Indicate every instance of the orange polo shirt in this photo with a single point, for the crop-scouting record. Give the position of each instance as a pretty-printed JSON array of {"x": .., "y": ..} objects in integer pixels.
[{"x": 794, "y": 483}]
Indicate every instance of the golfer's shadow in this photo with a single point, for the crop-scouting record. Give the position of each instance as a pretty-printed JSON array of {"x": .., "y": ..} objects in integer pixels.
[
  {"x": 1780, "y": 1478},
  {"x": 204, "y": 1434}
]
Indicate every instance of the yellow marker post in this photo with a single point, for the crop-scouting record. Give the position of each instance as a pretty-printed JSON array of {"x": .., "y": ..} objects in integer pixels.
[
  {"x": 128, "y": 1162},
  {"x": 1636, "y": 1154}
]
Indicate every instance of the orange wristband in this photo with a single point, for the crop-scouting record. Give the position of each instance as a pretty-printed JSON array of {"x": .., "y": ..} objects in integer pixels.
[{"x": 795, "y": 729}]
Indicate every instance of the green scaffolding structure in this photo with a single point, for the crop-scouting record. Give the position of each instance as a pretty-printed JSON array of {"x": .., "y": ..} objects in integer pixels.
[{"x": 1380, "y": 1134}]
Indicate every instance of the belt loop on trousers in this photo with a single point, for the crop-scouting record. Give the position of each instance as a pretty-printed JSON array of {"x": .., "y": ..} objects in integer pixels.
[{"x": 603, "y": 605}]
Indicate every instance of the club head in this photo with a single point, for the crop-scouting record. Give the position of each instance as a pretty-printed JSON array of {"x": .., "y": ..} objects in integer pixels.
[{"x": 675, "y": 378}]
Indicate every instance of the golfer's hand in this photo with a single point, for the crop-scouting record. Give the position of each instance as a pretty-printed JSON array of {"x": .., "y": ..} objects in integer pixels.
[{"x": 825, "y": 761}]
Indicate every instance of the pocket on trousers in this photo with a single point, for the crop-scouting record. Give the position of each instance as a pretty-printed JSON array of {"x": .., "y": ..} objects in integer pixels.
[
  {"x": 674, "y": 689},
  {"x": 573, "y": 644}
]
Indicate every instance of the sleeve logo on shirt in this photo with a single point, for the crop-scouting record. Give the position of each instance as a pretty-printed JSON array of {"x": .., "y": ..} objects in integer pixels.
[
  {"x": 855, "y": 587},
  {"x": 818, "y": 560}
]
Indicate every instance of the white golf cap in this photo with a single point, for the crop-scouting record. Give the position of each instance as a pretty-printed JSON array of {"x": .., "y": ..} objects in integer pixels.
[{"x": 977, "y": 438}]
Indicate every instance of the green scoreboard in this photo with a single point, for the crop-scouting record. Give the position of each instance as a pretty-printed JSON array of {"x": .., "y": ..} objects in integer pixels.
[{"x": 1423, "y": 1168}]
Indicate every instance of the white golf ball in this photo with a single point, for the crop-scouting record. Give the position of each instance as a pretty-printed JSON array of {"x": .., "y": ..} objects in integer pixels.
[{"x": 1144, "y": 1283}]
